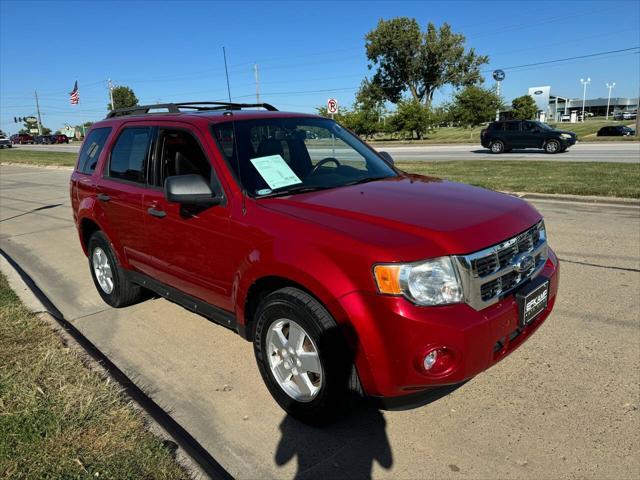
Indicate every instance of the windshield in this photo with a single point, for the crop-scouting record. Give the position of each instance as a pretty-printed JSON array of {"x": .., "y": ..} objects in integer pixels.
[
  {"x": 291, "y": 155},
  {"x": 543, "y": 126}
]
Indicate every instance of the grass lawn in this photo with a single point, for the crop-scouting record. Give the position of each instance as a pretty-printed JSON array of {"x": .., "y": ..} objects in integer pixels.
[
  {"x": 58, "y": 419},
  {"x": 576, "y": 178},
  {"x": 16, "y": 155},
  {"x": 586, "y": 133}
]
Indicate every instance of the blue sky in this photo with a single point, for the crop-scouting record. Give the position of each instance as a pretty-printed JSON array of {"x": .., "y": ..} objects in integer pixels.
[{"x": 306, "y": 51}]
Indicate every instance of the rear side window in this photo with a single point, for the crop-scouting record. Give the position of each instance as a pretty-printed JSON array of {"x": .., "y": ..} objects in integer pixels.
[
  {"x": 129, "y": 154},
  {"x": 513, "y": 126},
  {"x": 91, "y": 148}
]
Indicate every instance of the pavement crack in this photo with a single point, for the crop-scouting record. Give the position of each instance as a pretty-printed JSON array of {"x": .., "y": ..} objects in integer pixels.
[
  {"x": 608, "y": 267},
  {"x": 44, "y": 207}
]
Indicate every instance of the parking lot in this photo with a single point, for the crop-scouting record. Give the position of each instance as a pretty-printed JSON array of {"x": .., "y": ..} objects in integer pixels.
[{"x": 564, "y": 405}]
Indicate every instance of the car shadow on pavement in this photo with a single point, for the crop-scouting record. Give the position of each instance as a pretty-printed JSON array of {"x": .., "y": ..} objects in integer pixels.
[{"x": 346, "y": 449}]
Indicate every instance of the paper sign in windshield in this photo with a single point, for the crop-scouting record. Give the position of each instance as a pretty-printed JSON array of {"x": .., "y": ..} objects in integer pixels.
[{"x": 275, "y": 171}]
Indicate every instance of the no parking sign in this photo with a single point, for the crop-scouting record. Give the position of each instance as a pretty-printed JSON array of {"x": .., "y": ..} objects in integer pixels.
[{"x": 332, "y": 106}]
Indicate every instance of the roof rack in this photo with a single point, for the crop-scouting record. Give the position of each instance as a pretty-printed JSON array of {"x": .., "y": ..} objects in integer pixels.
[{"x": 179, "y": 107}]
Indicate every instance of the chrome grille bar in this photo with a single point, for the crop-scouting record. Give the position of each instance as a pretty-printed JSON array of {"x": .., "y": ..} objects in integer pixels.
[{"x": 490, "y": 274}]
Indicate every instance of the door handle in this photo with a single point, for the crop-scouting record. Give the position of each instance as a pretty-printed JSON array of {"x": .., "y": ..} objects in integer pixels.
[
  {"x": 156, "y": 213},
  {"x": 103, "y": 197}
]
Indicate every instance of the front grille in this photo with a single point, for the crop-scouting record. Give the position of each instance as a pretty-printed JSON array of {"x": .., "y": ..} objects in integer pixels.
[{"x": 492, "y": 273}]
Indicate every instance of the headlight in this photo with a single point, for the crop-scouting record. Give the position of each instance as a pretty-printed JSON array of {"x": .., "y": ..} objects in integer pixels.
[
  {"x": 565, "y": 135},
  {"x": 431, "y": 282}
]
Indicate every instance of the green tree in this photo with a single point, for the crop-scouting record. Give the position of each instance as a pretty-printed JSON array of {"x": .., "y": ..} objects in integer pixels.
[
  {"x": 411, "y": 117},
  {"x": 123, "y": 97},
  {"x": 474, "y": 105},
  {"x": 524, "y": 108},
  {"x": 409, "y": 60}
]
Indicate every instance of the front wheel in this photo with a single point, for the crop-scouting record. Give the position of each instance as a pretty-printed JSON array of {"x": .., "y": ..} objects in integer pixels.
[
  {"x": 497, "y": 146},
  {"x": 552, "y": 146},
  {"x": 303, "y": 357}
]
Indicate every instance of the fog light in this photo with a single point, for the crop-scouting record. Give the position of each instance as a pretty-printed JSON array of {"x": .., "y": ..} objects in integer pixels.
[{"x": 430, "y": 359}]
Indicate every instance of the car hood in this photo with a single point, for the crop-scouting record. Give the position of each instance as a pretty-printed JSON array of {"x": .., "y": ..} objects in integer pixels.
[
  {"x": 411, "y": 216},
  {"x": 573, "y": 134}
]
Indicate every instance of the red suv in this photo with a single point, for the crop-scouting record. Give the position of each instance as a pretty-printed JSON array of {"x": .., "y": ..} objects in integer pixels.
[{"x": 347, "y": 274}]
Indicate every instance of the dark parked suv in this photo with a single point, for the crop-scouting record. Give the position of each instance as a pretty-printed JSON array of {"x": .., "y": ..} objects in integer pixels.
[
  {"x": 616, "y": 131},
  {"x": 504, "y": 136},
  {"x": 348, "y": 275}
]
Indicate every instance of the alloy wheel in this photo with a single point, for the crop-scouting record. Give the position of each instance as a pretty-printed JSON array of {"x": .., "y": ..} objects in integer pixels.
[
  {"x": 294, "y": 360},
  {"x": 102, "y": 270}
]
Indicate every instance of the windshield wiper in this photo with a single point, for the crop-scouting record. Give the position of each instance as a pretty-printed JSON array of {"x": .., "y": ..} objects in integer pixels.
[
  {"x": 362, "y": 180},
  {"x": 297, "y": 189}
]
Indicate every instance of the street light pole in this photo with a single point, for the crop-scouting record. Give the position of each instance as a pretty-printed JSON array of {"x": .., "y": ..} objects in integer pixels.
[
  {"x": 110, "y": 87},
  {"x": 255, "y": 73},
  {"x": 38, "y": 110},
  {"x": 609, "y": 86},
  {"x": 584, "y": 92}
]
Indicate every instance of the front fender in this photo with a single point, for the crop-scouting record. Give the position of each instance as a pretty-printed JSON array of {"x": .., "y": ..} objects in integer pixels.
[{"x": 309, "y": 268}]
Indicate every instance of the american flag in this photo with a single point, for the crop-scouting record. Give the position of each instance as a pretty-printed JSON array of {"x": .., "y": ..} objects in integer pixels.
[{"x": 74, "y": 96}]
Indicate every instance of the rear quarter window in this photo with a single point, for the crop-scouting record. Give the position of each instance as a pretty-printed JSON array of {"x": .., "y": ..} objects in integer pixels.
[{"x": 91, "y": 148}]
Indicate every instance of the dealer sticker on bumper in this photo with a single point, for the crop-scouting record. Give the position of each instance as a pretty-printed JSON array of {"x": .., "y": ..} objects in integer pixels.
[{"x": 532, "y": 301}]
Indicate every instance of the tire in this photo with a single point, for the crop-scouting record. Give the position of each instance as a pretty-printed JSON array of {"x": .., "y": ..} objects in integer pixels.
[
  {"x": 321, "y": 394},
  {"x": 496, "y": 146},
  {"x": 108, "y": 276},
  {"x": 552, "y": 146}
]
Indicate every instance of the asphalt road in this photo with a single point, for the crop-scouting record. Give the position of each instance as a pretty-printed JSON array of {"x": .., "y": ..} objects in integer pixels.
[
  {"x": 624, "y": 152},
  {"x": 565, "y": 405}
]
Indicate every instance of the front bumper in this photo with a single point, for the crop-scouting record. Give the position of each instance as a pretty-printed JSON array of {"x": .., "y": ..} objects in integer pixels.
[
  {"x": 393, "y": 335},
  {"x": 567, "y": 142}
]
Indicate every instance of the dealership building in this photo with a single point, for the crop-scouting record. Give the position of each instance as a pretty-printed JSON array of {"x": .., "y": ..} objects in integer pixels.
[{"x": 552, "y": 108}]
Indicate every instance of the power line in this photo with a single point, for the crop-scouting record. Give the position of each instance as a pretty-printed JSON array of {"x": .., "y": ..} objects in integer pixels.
[{"x": 565, "y": 59}]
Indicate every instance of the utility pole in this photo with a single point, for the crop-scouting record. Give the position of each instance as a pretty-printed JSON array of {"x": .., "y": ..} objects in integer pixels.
[
  {"x": 38, "y": 110},
  {"x": 255, "y": 73},
  {"x": 110, "y": 86},
  {"x": 584, "y": 92},
  {"x": 609, "y": 86}
]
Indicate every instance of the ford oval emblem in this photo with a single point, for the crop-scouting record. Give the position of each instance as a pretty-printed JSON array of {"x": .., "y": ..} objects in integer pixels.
[
  {"x": 538, "y": 92},
  {"x": 524, "y": 263}
]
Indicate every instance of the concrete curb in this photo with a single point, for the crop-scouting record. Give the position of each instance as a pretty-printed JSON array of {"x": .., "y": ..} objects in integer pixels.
[
  {"x": 33, "y": 165},
  {"x": 588, "y": 199},
  {"x": 33, "y": 303}
]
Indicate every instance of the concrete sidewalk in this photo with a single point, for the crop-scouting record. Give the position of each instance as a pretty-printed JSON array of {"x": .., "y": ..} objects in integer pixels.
[{"x": 564, "y": 405}]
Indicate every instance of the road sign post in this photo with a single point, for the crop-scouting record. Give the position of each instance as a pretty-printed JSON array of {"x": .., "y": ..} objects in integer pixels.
[
  {"x": 498, "y": 76},
  {"x": 332, "y": 109}
]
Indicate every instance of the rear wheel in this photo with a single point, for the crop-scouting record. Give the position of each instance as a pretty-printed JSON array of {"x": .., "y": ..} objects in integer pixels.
[
  {"x": 497, "y": 146},
  {"x": 303, "y": 357},
  {"x": 109, "y": 278},
  {"x": 552, "y": 146}
]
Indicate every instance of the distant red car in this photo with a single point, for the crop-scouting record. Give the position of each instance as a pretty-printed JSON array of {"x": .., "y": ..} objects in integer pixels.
[
  {"x": 22, "y": 139},
  {"x": 347, "y": 274},
  {"x": 59, "y": 138}
]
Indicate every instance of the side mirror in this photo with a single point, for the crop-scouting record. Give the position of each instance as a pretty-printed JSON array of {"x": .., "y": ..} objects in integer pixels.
[
  {"x": 387, "y": 157},
  {"x": 190, "y": 190}
]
